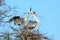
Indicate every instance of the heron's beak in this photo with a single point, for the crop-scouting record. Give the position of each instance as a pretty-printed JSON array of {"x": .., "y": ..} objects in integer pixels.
[
  {"x": 41, "y": 17},
  {"x": 27, "y": 13}
]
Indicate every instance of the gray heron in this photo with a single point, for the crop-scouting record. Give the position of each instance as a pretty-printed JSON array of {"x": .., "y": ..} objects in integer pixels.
[
  {"x": 19, "y": 20},
  {"x": 32, "y": 24}
]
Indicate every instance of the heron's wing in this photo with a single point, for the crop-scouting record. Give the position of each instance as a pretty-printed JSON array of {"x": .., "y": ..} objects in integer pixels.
[
  {"x": 19, "y": 21},
  {"x": 31, "y": 24},
  {"x": 14, "y": 18}
]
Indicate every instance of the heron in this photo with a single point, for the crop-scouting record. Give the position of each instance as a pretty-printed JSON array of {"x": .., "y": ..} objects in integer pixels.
[
  {"x": 19, "y": 20},
  {"x": 32, "y": 24}
]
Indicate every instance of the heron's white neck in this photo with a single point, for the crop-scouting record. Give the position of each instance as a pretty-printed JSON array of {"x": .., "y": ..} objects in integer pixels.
[
  {"x": 36, "y": 19},
  {"x": 26, "y": 18}
]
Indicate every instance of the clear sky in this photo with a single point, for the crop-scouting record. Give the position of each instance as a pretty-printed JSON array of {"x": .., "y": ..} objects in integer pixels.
[{"x": 48, "y": 9}]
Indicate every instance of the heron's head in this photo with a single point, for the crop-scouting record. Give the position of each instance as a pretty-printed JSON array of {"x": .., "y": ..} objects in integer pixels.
[
  {"x": 29, "y": 11},
  {"x": 34, "y": 14}
]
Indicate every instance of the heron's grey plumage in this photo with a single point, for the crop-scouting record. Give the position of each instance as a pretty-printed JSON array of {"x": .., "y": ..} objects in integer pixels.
[
  {"x": 17, "y": 20},
  {"x": 30, "y": 25}
]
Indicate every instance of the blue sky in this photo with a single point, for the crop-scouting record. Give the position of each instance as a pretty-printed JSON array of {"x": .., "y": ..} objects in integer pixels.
[{"x": 48, "y": 9}]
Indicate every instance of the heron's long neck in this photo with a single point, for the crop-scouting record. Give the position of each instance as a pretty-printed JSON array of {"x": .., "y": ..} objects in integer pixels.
[
  {"x": 36, "y": 19},
  {"x": 26, "y": 18}
]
